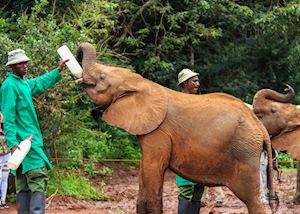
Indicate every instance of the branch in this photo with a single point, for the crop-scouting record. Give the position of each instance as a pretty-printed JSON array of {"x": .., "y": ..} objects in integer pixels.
[
  {"x": 128, "y": 28},
  {"x": 6, "y": 5},
  {"x": 53, "y": 7}
]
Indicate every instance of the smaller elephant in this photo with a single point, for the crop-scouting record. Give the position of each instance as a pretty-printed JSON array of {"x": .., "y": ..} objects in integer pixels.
[{"x": 281, "y": 119}]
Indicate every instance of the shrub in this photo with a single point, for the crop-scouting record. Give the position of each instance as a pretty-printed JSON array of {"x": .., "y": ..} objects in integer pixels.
[{"x": 73, "y": 184}]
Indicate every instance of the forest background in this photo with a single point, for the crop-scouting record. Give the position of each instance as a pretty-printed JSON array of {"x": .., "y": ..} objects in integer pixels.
[{"x": 238, "y": 47}]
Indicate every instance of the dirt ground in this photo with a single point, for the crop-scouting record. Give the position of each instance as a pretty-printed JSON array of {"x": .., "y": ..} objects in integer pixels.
[{"x": 122, "y": 188}]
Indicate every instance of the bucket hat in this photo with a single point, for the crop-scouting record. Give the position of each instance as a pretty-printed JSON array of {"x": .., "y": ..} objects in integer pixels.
[
  {"x": 185, "y": 74},
  {"x": 16, "y": 56}
]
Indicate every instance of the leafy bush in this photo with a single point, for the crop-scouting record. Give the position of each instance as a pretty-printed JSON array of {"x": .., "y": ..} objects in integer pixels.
[
  {"x": 91, "y": 170},
  {"x": 64, "y": 111},
  {"x": 286, "y": 161},
  {"x": 71, "y": 183},
  {"x": 80, "y": 142}
]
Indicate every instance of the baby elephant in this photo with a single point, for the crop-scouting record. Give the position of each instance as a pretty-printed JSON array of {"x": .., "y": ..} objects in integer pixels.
[{"x": 212, "y": 139}]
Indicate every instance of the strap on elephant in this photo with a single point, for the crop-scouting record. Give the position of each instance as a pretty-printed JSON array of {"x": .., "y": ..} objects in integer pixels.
[{"x": 273, "y": 198}]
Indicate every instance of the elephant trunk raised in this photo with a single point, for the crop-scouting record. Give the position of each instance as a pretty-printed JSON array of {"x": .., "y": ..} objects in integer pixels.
[
  {"x": 274, "y": 95},
  {"x": 88, "y": 59}
]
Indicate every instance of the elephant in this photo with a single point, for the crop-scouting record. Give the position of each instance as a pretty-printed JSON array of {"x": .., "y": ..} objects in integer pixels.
[
  {"x": 212, "y": 139},
  {"x": 281, "y": 119}
]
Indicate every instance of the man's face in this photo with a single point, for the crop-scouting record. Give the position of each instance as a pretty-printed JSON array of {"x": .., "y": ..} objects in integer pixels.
[
  {"x": 20, "y": 69},
  {"x": 192, "y": 85}
]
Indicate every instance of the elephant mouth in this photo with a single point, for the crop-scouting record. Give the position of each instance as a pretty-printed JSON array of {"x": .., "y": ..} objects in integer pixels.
[
  {"x": 259, "y": 115},
  {"x": 86, "y": 85}
]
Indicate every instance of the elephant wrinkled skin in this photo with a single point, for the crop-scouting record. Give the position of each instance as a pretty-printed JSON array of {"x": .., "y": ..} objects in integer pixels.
[
  {"x": 281, "y": 119},
  {"x": 211, "y": 139}
]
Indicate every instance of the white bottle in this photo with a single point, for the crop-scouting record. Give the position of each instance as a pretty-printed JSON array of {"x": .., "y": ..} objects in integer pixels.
[
  {"x": 19, "y": 154},
  {"x": 65, "y": 53}
]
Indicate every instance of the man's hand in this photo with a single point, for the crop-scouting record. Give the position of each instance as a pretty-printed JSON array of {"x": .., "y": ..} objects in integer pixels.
[{"x": 62, "y": 64}]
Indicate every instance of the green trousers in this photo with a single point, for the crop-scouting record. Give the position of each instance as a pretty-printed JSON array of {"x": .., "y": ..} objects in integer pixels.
[
  {"x": 191, "y": 192},
  {"x": 35, "y": 180}
]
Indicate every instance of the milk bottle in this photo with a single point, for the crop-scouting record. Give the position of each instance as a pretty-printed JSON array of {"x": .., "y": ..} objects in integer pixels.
[
  {"x": 65, "y": 53},
  {"x": 19, "y": 154}
]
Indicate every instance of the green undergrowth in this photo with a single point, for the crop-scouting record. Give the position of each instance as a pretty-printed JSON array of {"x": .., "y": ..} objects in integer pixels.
[
  {"x": 289, "y": 170},
  {"x": 73, "y": 183},
  {"x": 286, "y": 162}
]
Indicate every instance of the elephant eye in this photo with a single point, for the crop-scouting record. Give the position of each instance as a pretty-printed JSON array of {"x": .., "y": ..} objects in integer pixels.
[
  {"x": 102, "y": 76},
  {"x": 273, "y": 110}
]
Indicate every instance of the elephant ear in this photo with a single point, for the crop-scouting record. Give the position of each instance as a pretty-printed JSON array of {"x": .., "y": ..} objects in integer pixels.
[
  {"x": 288, "y": 141},
  {"x": 139, "y": 108}
]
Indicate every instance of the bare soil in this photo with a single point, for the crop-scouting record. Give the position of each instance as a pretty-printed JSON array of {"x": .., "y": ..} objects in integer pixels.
[{"x": 122, "y": 188}]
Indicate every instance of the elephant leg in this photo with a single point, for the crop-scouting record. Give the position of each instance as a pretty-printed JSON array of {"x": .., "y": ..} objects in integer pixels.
[
  {"x": 142, "y": 197},
  {"x": 156, "y": 151},
  {"x": 297, "y": 194},
  {"x": 245, "y": 185}
]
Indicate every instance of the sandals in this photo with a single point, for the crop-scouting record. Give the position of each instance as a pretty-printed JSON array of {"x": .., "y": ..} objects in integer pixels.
[{"x": 3, "y": 205}]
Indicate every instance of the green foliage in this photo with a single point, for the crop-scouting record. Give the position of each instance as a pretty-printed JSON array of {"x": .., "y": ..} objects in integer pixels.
[
  {"x": 91, "y": 170},
  {"x": 105, "y": 171},
  {"x": 82, "y": 140},
  {"x": 64, "y": 111},
  {"x": 75, "y": 185},
  {"x": 237, "y": 46},
  {"x": 286, "y": 161},
  {"x": 116, "y": 212}
]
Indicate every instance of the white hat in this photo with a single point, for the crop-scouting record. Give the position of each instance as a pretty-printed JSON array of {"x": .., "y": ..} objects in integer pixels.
[
  {"x": 185, "y": 74},
  {"x": 16, "y": 56}
]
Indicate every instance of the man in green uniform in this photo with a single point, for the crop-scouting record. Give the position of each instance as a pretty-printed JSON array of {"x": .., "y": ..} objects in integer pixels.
[
  {"x": 189, "y": 193},
  {"x": 21, "y": 122}
]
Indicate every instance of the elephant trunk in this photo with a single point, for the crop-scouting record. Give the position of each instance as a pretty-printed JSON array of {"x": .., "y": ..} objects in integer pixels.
[
  {"x": 273, "y": 95},
  {"x": 86, "y": 55}
]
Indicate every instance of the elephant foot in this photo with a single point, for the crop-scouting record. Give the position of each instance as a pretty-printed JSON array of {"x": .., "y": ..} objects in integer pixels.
[
  {"x": 141, "y": 208},
  {"x": 274, "y": 202}
]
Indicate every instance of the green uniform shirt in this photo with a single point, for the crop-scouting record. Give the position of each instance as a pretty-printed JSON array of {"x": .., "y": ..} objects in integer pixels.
[
  {"x": 20, "y": 118},
  {"x": 183, "y": 182}
]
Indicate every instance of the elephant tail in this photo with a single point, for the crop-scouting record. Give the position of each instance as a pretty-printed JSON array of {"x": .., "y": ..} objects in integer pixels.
[{"x": 273, "y": 198}]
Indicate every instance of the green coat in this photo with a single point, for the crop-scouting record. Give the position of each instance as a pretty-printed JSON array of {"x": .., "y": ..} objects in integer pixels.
[{"x": 20, "y": 118}]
